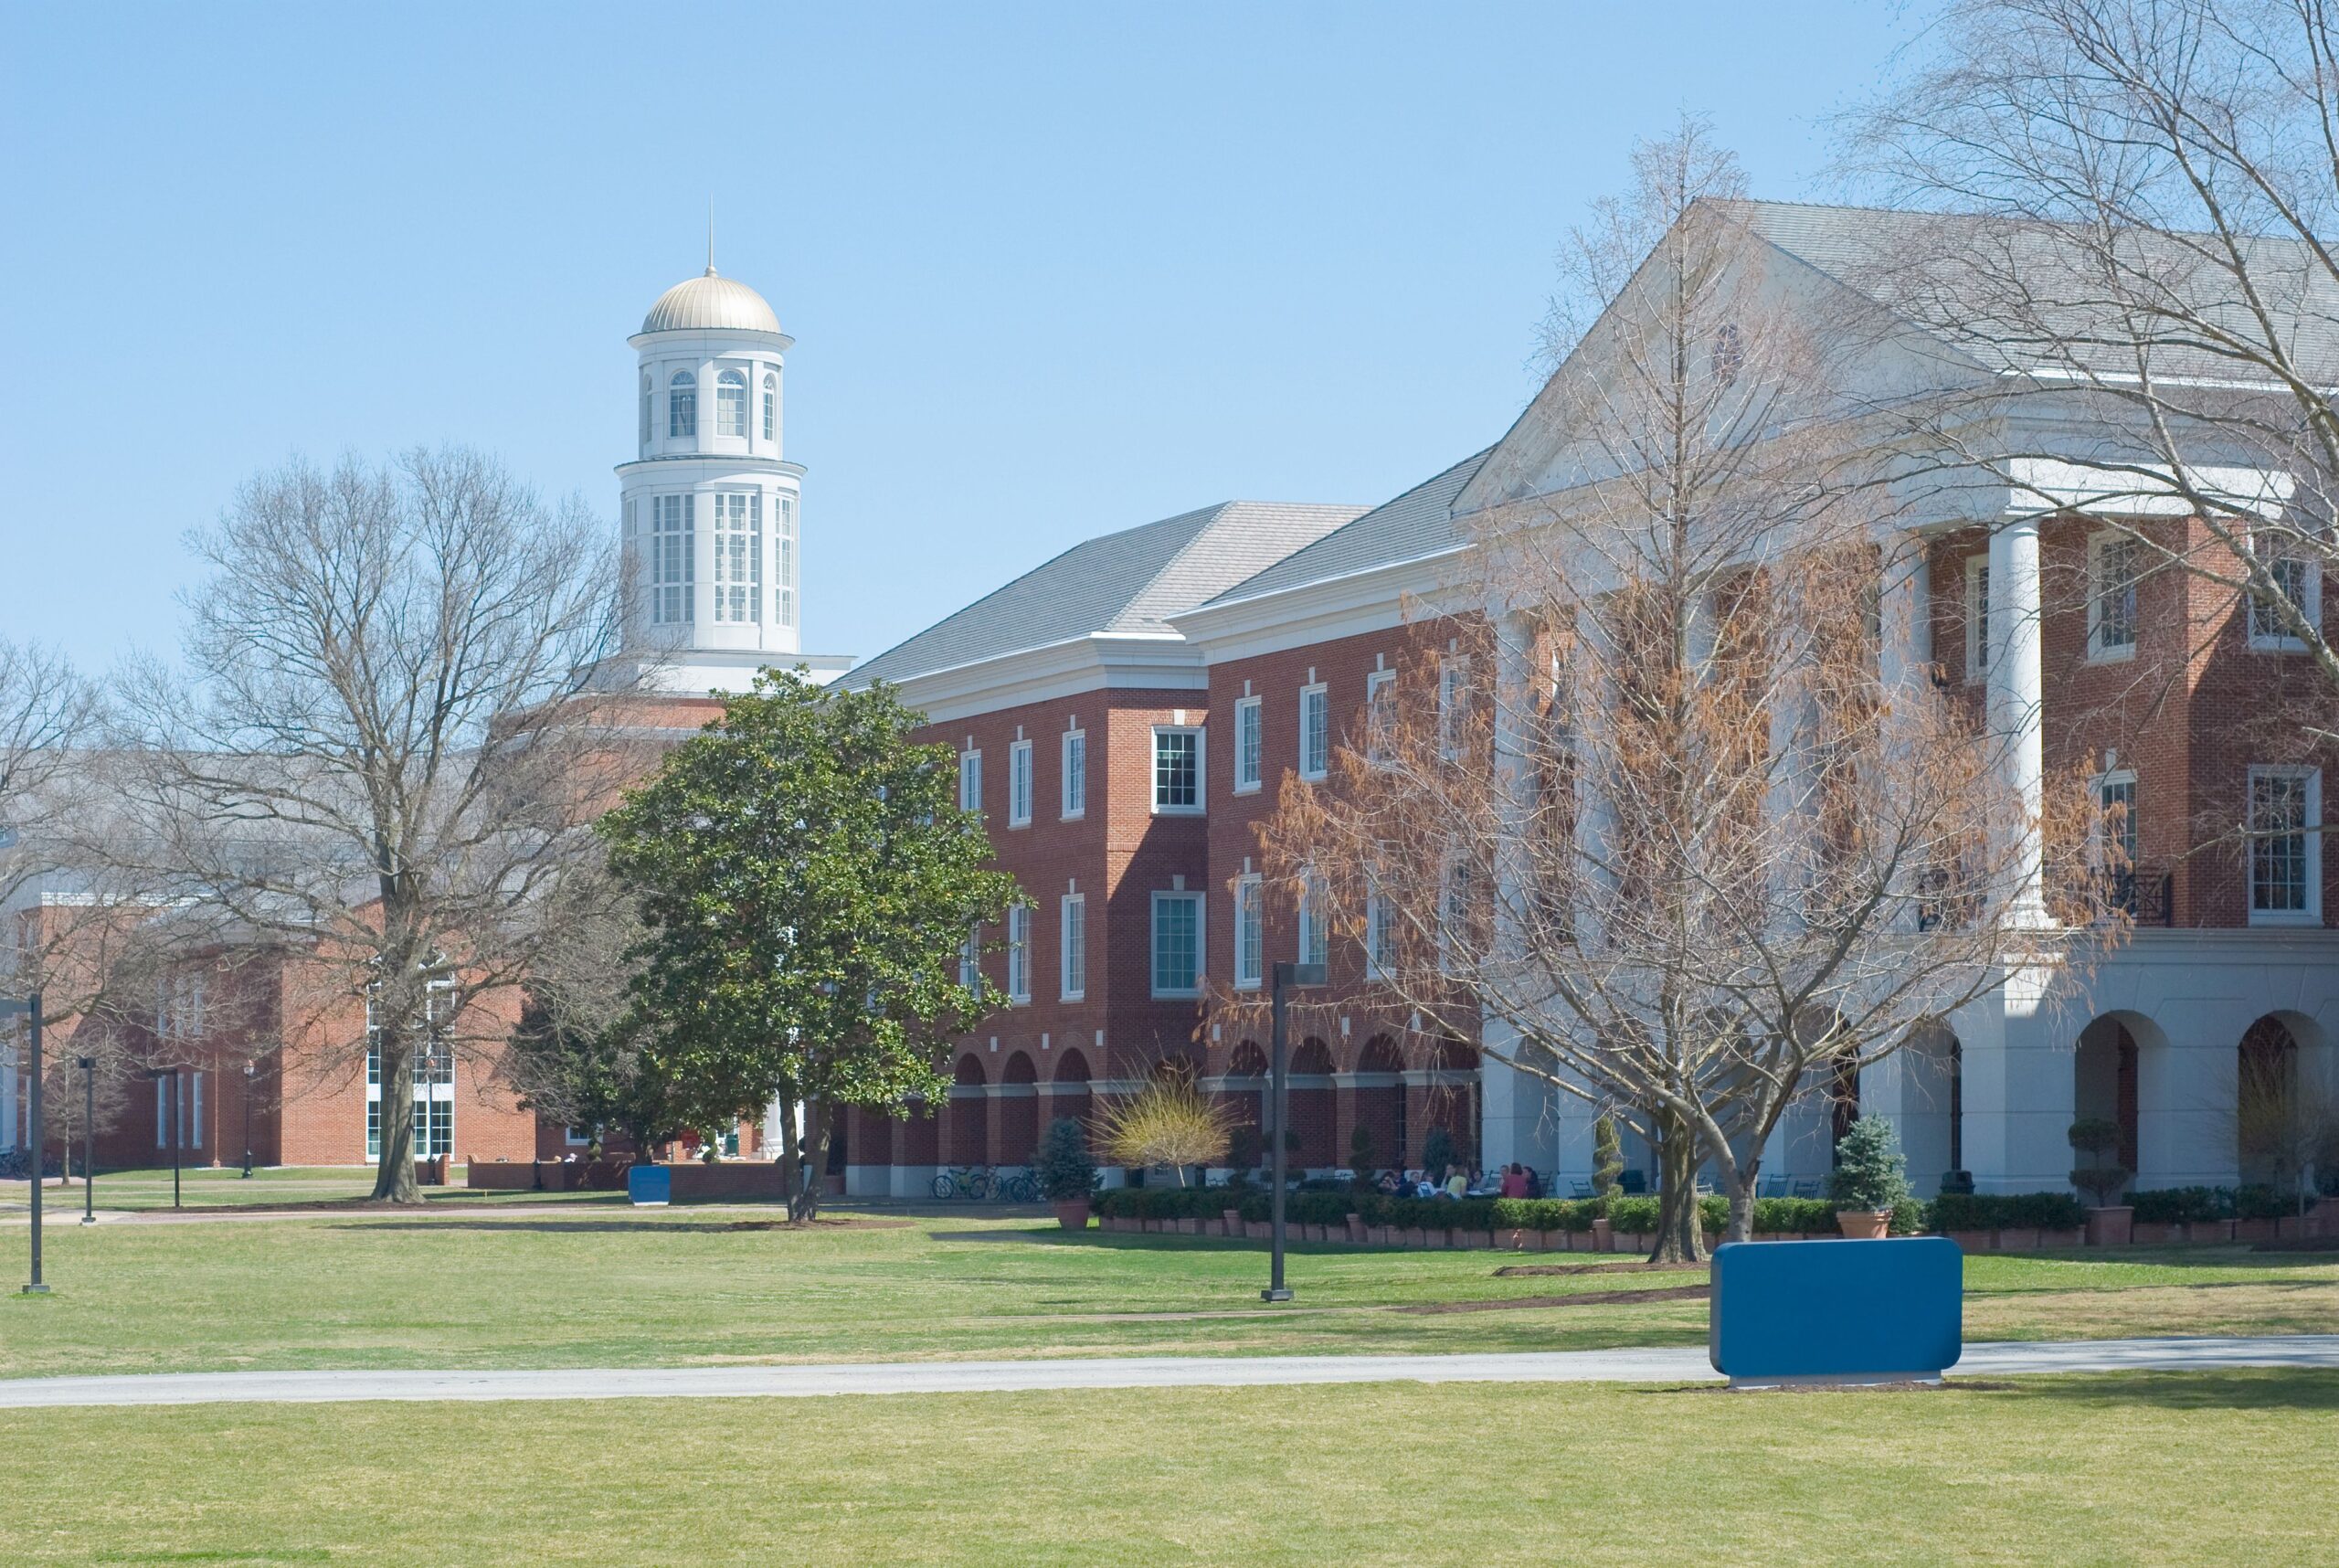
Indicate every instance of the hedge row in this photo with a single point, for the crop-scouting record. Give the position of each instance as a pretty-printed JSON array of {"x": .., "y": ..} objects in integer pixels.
[
  {"x": 2006, "y": 1211},
  {"x": 2181, "y": 1206},
  {"x": 1636, "y": 1215}
]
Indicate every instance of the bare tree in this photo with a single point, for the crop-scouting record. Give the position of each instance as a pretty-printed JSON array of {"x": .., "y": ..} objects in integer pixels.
[
  {"x": 386, "y": 752},
  {"x": 1677, "y": 822},
  {"x": 2129, "y": 251}
]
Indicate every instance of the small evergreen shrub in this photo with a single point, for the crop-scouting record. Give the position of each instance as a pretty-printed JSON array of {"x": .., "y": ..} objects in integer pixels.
[
  {"x": 2181, "y": 1205},
  {"x": 1608, "y": 1156},
  {"x": 1062, "y": 1162},
  {"x": 1870, "y": 1173}
]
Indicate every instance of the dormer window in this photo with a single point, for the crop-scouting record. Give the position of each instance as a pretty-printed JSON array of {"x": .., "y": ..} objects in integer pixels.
[
  {"x": 771, "y": 407},
  {"x": 681, "y": 405},
  {"x": 731, "y": 404}
]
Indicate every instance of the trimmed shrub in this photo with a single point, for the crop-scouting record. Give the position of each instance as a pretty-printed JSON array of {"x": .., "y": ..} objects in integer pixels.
[
  {"x": 1788, "y": 1216},
  {"x": 2005, "y": 1211},
  {"x": 2181, "y": 1205},
  {"x": 2258, "y": 1200}
]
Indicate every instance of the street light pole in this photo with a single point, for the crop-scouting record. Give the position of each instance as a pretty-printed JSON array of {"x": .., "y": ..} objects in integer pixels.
[
  {"x": 1288, "y": 977},
  {"x": 30, "y": 1008},
  {"x": 174, "y": 1137},
  {"x": 248, "y": 1121},
  {"x": 89, "y": 1066}
]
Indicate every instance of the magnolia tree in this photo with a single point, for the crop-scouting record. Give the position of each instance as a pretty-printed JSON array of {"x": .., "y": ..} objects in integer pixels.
[
  {"x": 392, "y": 727},
  {"x": 1675, "y": 821},
  {"x": 2133, "y": 208},
  {"x": 806, "y": 885}
]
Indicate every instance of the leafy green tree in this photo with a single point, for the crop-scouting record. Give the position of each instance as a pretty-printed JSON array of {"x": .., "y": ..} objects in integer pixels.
[{"x": 806, "y": 883}]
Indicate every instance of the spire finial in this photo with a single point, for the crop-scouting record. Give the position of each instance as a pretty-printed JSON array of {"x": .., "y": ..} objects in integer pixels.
[{"x": 709, "y": 237}]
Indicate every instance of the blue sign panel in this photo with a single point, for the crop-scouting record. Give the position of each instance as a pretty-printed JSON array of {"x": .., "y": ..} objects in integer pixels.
[
  {"x": 1844, "y": 1311},
  {"x": 650, "y": 1184}
]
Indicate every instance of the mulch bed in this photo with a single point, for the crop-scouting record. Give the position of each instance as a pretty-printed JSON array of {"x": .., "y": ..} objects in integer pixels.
[
  {"x": 1510, "y": 1270},
  {"x": 1586, "y": 1298}
]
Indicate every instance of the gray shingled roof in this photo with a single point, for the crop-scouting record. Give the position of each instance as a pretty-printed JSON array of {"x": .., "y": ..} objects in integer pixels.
[
  {"x": 1417, "y": 523},
  {"x": 1126, "y": 582},
  {"x": 2028, "y": 295}
]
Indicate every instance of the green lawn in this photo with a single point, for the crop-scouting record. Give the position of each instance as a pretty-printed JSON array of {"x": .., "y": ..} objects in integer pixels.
[
  {"x": 592, "y": 1283},
  {"x": 203, "y": 1187},
  {"x": 2080, "y": 1472}
]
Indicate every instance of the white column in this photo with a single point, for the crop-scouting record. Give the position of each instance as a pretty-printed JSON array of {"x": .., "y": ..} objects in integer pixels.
[
  {"x": 2016, "y": 704},
  {"x": 1904, "y": 653}
]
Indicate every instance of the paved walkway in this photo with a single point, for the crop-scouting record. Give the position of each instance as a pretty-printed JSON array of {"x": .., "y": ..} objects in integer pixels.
[{"x": 1681, "y": 1364}]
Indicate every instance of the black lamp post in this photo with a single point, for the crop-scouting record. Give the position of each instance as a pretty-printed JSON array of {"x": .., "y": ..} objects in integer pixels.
[
  {"x": 89, "y": 1066},
  {"x": 1288, "y": 977},
  {"x": 30, "y": 1007},
  {"x": 247, "y": 1120}
]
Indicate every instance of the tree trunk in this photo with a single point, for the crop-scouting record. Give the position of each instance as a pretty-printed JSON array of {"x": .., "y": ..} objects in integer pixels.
[
  {"x": 790, "y": 1166},
  {"x": 1680, "y": 1238},
  {"x": 814, "y": 1166},
  {"x": 394, "y": 1176},
  {"x": 1740, "y": 1189}
]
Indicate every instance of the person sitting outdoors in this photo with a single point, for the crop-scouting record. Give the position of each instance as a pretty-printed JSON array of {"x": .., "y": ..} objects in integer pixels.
[
  {"x": 1514, "y": 1181},
  {"x": 1390, "y": 1184},
  {"x": 1457, "y": 1185}
]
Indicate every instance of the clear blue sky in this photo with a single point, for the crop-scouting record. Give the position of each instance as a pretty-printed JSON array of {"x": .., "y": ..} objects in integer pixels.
[{"x": 1052, "y": 271}]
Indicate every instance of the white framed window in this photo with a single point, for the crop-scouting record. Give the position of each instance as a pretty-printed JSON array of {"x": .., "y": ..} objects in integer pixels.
[
  {"x": 1977, "y": 616},
  {"x": 195, "y": 1105},
  {"x": 1380, "y": 936},
  {"x": 1313, "y": 946},
  {"x": 1018, "y": 952},
  {"x": 1177, "y": 944},
  {"x": 731, "y": 404},
  {"x": 1380, "y": 712},
  {"x": 771, "y": 406},
  {"x": 970, "y": 780},
  {"x": 2115, "y": 563},
  {"x": 1250, "y": 936},
  {"x": 1249, "y": 745},
  {"x": 1075, "y": 774},
  {"x": 1177, "y": 769},
  {"x": 2285, "y": 846},
  {"x": 1072, "y": 919},
  {"x": 577, "y": 1136},
  {"x": 1315, "y": 731},
  {"x": 2297, "y": 580},
  {"x": 681, "y": 405},
  {"x": 1019, "y": 784},
  {"x": 971, "y": 961},
  {"x": 434, "y": 1079},
  {"x": 1452, "y": 696},
  {"x": 738, "y": 556},
  {"x": 672, "y": 563},
  {"x": 1454, "y": 891},
  {"x": 784, "y": 542},
  {"x": 2115, "y": 797}
]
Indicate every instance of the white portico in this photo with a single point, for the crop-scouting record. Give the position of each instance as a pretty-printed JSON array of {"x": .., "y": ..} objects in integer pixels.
[{"x": 712, "y": 508}]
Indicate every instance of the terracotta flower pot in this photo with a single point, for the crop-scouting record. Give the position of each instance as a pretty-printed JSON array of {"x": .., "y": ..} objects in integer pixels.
[
  {"x": 2114, "y": 1224},
  {"x": 1072, "y": 1214},
  {"x": 1233, "y": 1220},
  {"x": 1603, "y": 1236},
  {"x": 1356, "y": 1230},
  {"x": 1864, "y": 1224}
]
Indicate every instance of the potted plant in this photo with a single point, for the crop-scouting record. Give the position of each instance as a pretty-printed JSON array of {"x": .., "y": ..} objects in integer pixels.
[
  {"x": 2110, "y": 1223},
  {"x": 1067, "y": 1175},
  {"x": 1872, "y": 1178}
]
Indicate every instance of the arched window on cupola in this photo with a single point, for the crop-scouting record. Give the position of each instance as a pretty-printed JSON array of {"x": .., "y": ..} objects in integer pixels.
[
  {"x": 731, "y": 404},
  {"x": 645, "y": 407},
  {"x": 681, "y": 405},
  {"x": 771, "y": 407}
]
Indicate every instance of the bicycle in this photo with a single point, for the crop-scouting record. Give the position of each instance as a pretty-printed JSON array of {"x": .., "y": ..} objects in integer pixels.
[
  {"x": 1020, "y": 1188},
  {"x": 970, "y": 1182}
]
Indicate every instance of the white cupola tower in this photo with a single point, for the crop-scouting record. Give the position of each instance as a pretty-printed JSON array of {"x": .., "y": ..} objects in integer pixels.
[{"x": 710, "y": 507}]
